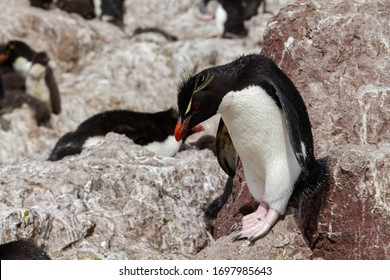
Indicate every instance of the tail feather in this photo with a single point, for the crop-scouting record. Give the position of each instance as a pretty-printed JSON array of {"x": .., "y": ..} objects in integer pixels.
[
  {"x": 308, "y": 198},
  {"x": 318, "y": 178}
]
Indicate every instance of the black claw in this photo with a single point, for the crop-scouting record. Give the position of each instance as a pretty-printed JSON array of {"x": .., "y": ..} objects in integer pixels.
[
  {"x": 237, "y": 237},
  {"x": 236, "y": 227}
]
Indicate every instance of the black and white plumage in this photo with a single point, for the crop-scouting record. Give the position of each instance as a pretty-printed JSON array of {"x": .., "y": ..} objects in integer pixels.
[
  {"x": 107, "y": 10},
  {"x": 34, "y": 67},
  {"x": 111, "y": 11},
  {"x": 268, "y": 129},
  {"x": 154, "y": 131},
  {"x": 230, "y": 15}
]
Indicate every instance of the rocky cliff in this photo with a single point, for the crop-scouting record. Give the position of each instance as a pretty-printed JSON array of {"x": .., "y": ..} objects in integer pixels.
[
  {"x": 119, "y": 201},
  {"x": 337, "y": 54}
]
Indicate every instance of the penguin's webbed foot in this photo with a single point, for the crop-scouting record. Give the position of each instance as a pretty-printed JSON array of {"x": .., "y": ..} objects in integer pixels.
[{"x": 256, "y": 224}]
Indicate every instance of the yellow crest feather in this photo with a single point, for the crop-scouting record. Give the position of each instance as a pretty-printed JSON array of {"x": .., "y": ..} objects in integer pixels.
[{"x": 201, "y": 82}]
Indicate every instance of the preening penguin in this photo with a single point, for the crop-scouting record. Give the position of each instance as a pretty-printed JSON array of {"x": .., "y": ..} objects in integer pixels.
[
  {"x": 268, "y": 127},
  {"x": 154, "y": 131},
  {"x": 34, "y": 67}
]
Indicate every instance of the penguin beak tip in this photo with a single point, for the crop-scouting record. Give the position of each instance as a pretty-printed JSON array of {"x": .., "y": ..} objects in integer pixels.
[
  {"x": 181, "y": 129},
  {"x": 177, "y": 132}
]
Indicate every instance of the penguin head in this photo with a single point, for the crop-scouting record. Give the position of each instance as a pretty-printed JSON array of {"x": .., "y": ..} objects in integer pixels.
[
  {"x": 174, "y": 118},
  {"x": 199, "y": 97},
  {"x": 14, "y": 49}
]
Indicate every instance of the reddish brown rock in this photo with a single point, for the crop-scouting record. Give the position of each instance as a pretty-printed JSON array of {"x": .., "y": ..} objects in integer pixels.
[{"x": 337, "y": 54}]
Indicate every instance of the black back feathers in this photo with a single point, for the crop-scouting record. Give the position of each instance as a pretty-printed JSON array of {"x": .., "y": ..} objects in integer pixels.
[{"x": 142, "y": 128}]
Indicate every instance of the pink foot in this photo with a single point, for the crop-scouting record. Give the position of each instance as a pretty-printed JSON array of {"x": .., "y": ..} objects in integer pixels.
[
  {"x": 256, "y": 224},
  {"x": 205, "y": 17}
]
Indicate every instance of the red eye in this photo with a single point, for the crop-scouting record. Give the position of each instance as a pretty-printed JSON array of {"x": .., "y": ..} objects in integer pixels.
[{"x": 196, "y": 107}]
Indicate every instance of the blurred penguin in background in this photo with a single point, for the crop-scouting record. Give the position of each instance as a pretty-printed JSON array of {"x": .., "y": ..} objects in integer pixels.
[
  {"x": 107, "y": 10},
  {"x": 43, "y": 4},
  {"x": 84, "y": 8},
  {"x": 111, "y": 11},
  {"x": 28, "y": 79},
  {"x": 230, "y": 15},
  {"x": 34, "y": 67}
]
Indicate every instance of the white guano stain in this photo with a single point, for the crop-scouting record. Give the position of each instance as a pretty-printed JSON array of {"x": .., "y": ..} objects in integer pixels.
[{"x": 373, "y": 91}]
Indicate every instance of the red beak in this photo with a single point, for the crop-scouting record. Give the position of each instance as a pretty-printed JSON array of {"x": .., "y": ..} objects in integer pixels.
[{"x": 181, "y": 129}]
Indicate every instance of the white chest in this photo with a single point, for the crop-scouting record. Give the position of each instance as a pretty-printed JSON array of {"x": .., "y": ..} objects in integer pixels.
[
  {"x": 220, "y": 18},
  {"x": 257, "y": 128}
]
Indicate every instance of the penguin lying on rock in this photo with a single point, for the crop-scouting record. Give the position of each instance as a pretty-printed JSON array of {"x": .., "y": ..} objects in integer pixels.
[
  {"x": 264, "y": 123},
  {"x": 154, "y": 131},
  {"x": 34, "y": 67}
]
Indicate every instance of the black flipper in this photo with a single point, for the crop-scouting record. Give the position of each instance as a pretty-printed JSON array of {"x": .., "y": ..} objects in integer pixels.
[
  {"x": 55, "y": 98},
  {"x": 297, "y": 122},
  {"x": 226, "y": 153}
]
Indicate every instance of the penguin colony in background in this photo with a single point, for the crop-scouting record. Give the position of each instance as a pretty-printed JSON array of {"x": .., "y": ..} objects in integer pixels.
[
  {"x": 230, "y": 15},
  {"x": 28, "y": 78},
  {"x": 107, "y": 10},
  {"x": 265, "y": 123},
  {"x": 154, "y": 131}
]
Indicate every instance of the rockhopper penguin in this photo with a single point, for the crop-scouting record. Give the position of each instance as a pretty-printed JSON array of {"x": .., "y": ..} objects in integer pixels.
[
  {"x": 266, "y": 123},
  {"x": 34, "y": 67},
  {"x": 154, "y": 131}
]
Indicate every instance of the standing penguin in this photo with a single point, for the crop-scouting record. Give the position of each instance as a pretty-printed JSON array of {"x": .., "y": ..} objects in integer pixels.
[
  {"x": 34, "y": 66},
  {"x": 230, "y": 15},
  {"x": 268, "y": 126},
  {"x": 111, "y": 11},
  {"x": 154, "y": 131}
]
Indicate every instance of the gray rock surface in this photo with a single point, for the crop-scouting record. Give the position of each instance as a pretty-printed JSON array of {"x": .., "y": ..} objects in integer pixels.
[{"x": 114, "y": 201}]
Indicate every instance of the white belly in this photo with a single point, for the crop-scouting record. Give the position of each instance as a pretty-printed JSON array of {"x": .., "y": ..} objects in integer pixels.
[
  {"x": 168, "y": 148},
  {"x": 259, "y": 134}
]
